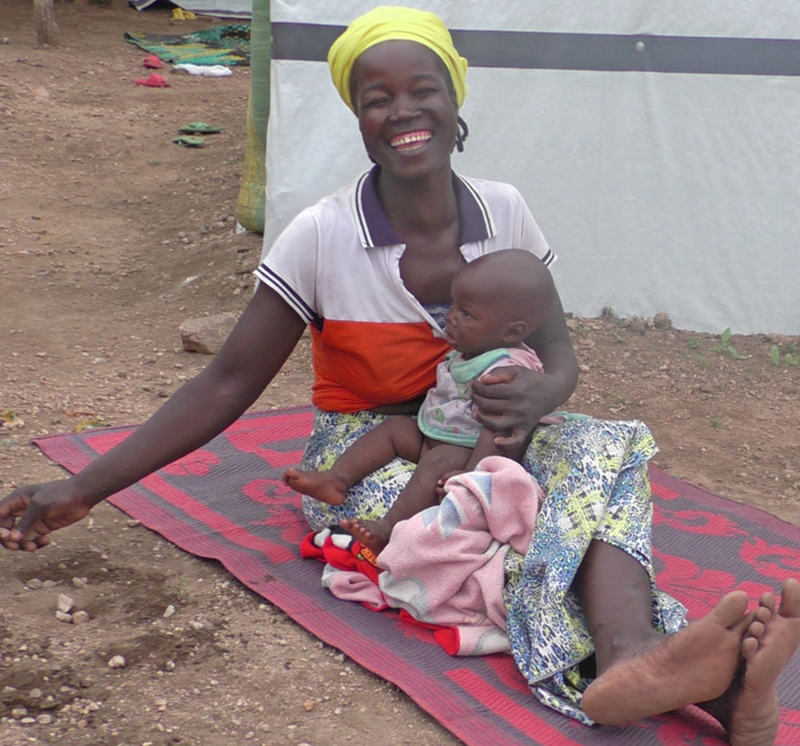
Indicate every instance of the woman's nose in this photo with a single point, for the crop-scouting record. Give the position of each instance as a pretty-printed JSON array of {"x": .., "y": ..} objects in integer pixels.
[{"x": 403, "y": 107}]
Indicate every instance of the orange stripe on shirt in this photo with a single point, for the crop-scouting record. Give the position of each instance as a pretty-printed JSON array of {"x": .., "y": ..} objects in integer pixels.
[{"x": 362, "y": 364}]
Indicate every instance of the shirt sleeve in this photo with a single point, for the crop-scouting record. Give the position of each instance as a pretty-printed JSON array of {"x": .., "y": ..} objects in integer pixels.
[
  {"x": 290, "y": 268},
  {"x": 532, "y": 237}
]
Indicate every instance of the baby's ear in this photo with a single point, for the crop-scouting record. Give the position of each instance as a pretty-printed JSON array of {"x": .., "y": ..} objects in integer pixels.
[{"x": 515, "y": 332}]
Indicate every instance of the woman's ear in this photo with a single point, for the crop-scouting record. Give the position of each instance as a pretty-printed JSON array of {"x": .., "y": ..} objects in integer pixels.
[{"x": 515, "y": 332}]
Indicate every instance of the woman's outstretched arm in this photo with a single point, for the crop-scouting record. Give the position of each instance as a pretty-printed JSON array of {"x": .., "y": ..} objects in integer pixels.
[{"x": 258, "y": 346}]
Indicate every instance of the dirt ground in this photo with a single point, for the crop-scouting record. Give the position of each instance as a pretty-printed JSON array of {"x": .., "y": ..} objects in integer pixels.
[{"x": 110, "y": 237}]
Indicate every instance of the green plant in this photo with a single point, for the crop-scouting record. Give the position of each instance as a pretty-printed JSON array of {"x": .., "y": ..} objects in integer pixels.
[
  {"x": 725, "y": 346},
  {"x": 715, "y": 423},
  {"x": 694, "y": 343},
  {"x": 790, "y": 354}
]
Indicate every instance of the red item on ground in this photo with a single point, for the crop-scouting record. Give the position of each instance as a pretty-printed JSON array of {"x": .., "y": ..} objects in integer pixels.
[
  {"x": 153, "y": 61},
  {"x": 154, "y": 81}
]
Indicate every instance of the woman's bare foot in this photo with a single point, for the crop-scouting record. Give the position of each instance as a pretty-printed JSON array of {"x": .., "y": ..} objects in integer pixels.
[
  {"x": 771, "y": 640},
  {"x": 372, "y": 534},
  {"x": 324, "y": 486},
  {"x": 693, "y": 665}
]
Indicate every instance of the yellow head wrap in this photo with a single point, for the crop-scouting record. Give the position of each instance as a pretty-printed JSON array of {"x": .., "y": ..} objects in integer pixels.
[{"x": 391, "y": 24}]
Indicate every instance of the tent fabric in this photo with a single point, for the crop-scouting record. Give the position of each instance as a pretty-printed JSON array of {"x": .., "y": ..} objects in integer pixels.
[
  {"x": 653, "y": 141},
  {"x": 217, "y": 8}
]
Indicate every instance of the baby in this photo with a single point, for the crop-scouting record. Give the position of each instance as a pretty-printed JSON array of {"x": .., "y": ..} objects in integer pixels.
[{"x": 498, "y": 300}]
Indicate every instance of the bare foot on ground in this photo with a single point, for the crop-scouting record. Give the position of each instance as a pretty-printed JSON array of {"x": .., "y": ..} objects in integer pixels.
[
  {"x": 770, "y": 642},
  {"x": 324, "y": 486},
  {"x": 372, "y": 534},
  {"x": 694, "y": 665}
]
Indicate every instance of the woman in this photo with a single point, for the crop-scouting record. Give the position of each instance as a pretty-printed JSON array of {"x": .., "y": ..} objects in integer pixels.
[{"x": 370, "y": 269}]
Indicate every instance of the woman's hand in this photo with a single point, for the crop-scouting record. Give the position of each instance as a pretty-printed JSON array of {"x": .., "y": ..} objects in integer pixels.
[
  {"x": 30, "y": 513},
  {"x": 511, "y": 401}
]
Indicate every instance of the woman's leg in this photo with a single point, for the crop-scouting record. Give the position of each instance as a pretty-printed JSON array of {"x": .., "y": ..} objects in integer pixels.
[
  {"x": 727, "y": 663},
  {"x": 641, "y": 671}
]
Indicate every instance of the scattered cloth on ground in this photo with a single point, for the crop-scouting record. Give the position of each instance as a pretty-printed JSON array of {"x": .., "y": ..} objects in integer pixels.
[
  {"x": 210, "y": 71},
  {"x": 153, "y": 81},
  {"x": 227, "y": 501},
  {"x": 226, "y": 44},
  {"x": 190, "y": 141},
  {"x": 199, "y": 128},
  {"x": 179, "y": 14}
]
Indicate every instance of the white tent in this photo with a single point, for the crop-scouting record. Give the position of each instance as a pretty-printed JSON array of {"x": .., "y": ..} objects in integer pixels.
[{"x": 655, "y": 141}]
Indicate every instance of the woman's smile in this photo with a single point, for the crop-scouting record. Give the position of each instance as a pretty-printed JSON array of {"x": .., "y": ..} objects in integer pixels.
[{"x": 411, "y": 141}]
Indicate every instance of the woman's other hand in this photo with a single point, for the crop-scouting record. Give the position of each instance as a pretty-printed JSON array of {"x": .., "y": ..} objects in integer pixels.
[
  {"x": 512, "y": 400},
  {"x": 30, "y": 513}
]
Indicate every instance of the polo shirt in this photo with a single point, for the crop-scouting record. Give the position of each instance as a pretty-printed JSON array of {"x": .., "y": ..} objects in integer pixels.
[{"x": 337, "y": 264}]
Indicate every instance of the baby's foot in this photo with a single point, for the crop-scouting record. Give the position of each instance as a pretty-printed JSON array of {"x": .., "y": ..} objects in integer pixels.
[
  {"x": 372, "y": 534},
  {"x": 324, "y": 486}
]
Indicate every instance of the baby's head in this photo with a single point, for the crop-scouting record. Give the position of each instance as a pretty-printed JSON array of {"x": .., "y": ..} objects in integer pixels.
[{"x": 498, "y": 301}]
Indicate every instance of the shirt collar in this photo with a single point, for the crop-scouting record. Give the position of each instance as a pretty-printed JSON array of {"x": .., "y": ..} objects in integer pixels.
[{"x": 375, "y": 229}]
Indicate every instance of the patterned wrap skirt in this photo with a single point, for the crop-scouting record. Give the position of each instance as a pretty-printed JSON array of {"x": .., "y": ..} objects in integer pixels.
[{"x": 594, "y": 476}]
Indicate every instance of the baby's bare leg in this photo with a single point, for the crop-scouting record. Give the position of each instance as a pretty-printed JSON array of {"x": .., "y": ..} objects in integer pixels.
[
  {"x": 395, "y": 436},
  {"x": 419, "y": 493}
]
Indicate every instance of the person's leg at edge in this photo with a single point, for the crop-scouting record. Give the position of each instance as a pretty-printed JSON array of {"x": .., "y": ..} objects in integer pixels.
[
  {"x": 395, "y": 436},
  {"x": 419, "y": 493},
  {"x": 728, "y": 662},
  {"x": 749, "y": 708}
]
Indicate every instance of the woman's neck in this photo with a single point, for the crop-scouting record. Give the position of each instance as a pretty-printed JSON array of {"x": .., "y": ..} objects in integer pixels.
[{"x": 426, "y": 206}]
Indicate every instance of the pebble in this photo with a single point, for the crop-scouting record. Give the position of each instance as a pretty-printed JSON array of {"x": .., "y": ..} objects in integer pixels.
[
  {"x": 63, "y": 616},
  {"x": 34, "y": 584},
  {"x": 80, "y": 617},
  {"x": 80, "y": 582},
  {"x": 117, "y": 661},
  {"x": 44, "y": 719},
  {"x": 65, "y": 603},
  {"x": 169, "y": 611}
]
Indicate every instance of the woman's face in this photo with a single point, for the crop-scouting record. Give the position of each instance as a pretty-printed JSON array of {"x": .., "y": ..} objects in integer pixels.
[{"x": 406, "y": 111}]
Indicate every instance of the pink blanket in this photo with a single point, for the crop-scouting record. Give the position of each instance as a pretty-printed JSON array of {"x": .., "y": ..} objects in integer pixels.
[{"x": 444, "y": 566}]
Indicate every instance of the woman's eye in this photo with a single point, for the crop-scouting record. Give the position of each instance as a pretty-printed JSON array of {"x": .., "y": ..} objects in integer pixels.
[
  {"x": 422, "y": 92},
  {"x": 374, "y": 102}
]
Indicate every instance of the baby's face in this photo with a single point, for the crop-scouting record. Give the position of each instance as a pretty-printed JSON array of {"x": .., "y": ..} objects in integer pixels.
[{"x": 476, "y": 321}]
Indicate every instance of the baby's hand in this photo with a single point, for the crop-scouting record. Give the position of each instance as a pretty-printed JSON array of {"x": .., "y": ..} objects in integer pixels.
[{"x": 440, "y": 489}]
